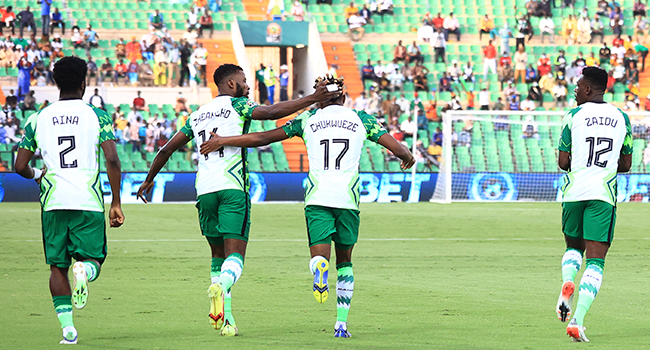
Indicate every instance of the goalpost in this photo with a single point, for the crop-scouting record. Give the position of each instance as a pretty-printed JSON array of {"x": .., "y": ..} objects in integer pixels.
[{"x": 507, "y": 156}]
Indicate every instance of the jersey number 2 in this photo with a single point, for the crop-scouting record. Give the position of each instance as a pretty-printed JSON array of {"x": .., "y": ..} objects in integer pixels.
[
  {"x": 337, "y": 162},
  {"x": 592, "y": 146},
  {"x": 62, "y": 154},
  {"x": 214, "y": 131}
]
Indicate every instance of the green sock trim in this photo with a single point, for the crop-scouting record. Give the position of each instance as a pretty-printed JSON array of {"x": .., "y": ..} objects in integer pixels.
[
  {"x": 93, "y": 268},
  {"x": 342, "y": 265},
  {"x": 215, "y": 268},
  {"x": 238, "y": 256},
  {"x": 582, "y": 252},
  {"x": 598, "y": 262},
  {"x": 62, "y": 301},
  {"x": 63, "y": 308}
]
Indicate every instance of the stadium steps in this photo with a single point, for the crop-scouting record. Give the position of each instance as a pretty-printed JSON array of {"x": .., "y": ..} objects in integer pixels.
[
  {"x": 256, "y": 9},
  {"x": 219, "y": 52},
  {"x": 341, "y": 54},
  {"x": 644, "y": 84},
  {"x": 294, "y": 149}
]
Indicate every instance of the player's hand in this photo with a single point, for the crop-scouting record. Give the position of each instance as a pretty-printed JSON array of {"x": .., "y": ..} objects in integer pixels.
[
  {"x": 322, "y": 94},
  {"x": 211, "y": 145},
  {"x": 116, "y": 216},
  {"x": 407, "y": 164},
  {"x": 145, "y": 188},
  {"x": 38, "y": 181}
]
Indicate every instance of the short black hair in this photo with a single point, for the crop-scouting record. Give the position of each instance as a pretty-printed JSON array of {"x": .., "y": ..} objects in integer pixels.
[
  {"x": 224, "y": 71},
  {"x": 69, "y": 73},
  {"x": 596, "y": 76}
]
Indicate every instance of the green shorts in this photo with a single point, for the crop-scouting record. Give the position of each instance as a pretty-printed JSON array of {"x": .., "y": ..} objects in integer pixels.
[
  {"x": 77, "y": 234},
  {"x": 592, "y": 220},
  {"x": 325, "y": 224},
  {"x": 224, "y": 214}
]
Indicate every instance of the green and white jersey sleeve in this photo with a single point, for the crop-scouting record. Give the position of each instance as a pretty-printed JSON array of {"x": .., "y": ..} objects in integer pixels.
[
  {"x": 225, "y": 168},
  {"x": 69, "y": 133},
  {"x": 334, "y": 138},
  {"x": 596, "y": 135}
]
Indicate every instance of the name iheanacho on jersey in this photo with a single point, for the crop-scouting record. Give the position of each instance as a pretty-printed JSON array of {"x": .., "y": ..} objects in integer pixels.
[
  {"x": 342, "y": 124},
  {"x": 223, "y": 113}
]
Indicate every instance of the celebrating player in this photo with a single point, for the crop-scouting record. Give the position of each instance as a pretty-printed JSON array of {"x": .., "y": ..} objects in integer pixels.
[
  {"x": 596, "y": 143},
  {"x": 334, "y": 137},
  {"x": 68, "y": 133},
  {"x": 222, "y": 179}
]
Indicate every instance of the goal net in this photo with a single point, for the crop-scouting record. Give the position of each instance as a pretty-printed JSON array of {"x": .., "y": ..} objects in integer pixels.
[{"x": 508, "y": 155}]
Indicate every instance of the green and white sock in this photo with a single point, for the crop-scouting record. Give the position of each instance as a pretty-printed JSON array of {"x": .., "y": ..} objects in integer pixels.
[
  {"x": 92, "y": 270},
  {"x": 215, "y": 269},
  {"x": 571, "y": 263},
  {"x": 590, "y": 284},
  {"x": 63, "y": 308},
  {"x": 231, "y": 270},
  {"x": 344, "y": 290},
  {"x": 227, "y": 307}
]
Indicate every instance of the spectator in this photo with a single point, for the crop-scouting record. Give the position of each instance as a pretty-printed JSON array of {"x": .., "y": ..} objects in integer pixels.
[
  {"x": 91, "y": 38},
  {"x": 394, "y": 110},
  {"x": 173, "y": 69},
  {"x": 385, "y": 7},
  {"x": 156, "y": 20},
  {"x": 7, "y": 19},
  {"x": 437, "y": 137},
  {"x": 351, "y": 10},
  {"x": 297, "y": 11},
  {"x": 190, "y": 37},
  {"x": 57, "y": 21},
  {"x": 444, "y": 84},
  {"x": 484, "y": 98},
  {"x": 192, "y": 19},
  {"x": 604, "y": 54},
  {"x": 355, "y": 25},
  {"x": 451, "y": 25},
  {"x": 275, "y": 10},
  {"x": 638, "y": 9},
  {"x": 641, "y": 27},
  {"x": 421, "y": 82},
  {"x": 560, "y": 62},
  {"x": 366, "y": 14},
  {"x": 29, "y": 104},
  {"x": 547, "y": 82},
  {"x": 489, "y": 59},
  {"x": 270, "y": 79},
  {"x": 361, "y": 102},
  {"x": 543, "y": 65},
  {"x": 632, "y": 74},
  {"x": 107, "y": 71},
  {"x": 535, "y": 93},
  {"x": 45, "y": 15},
  {"x": 468, "y": 73},
  {"x": 569, "y": 30},
  {"x": 200, "y": 57},
  {"x": 120, "y": 71},
  {"x": 597, "y": 28},
  {"x": 505, "y": 34},
  {"x": 504, "y": 61},
  {"x": 93, "y": 71},
  {"x": 619, "y": 71},
  {"x": 454, "y": 71},
  {"x": 96, "y": 100},
  {"x": 201, "y": 5},
  {"x": 120, "y": 49},
  {"x": 139, "y": 103},
  {"x": 583, "y": 30},
  {"x": 425, "y": 32},
  {"x": 591, "y": 60},
  {"x": 524, "y": 28},
  {"x": 530, "y": 129},
  {"x": 439, "y": 45},
  {"x": 485, "y": 27},
  {"x": 559, "y": 93},
  {"x": 513, "y": 104},
  {"x": 399, "y": 53},
  {"x": 438, "y": 22},
  {"x": 132, "y": 73},
  {"x": 616, "y": 21},
  {"x": 368, "y": 72},
  {"x": 261, "y": 86},
  {"x": 643, "y": 53},
  {"x": 409, "y": 127},
  {"x": 205, "y": 24},
  {"x": 531, "y": 74},
  {"x": 547, "y": 27},
  {"x": 521, "y": 59},
  {"x": 603, "y": 8},
  {"x": 7, "y": 59},
  {"x": 423, "y": 122},
  {"x": 527, "y": 104},
  {"x": 24, "y": 74},
  {"x": 160, "y": 73},
  {"x": 510, "y": 90},
  {"x": 374, "y": 102},
  {"x": 133, "y": 50},
  {"x": 26, "y": 18},
  {"x": 414, "y": 53},
  {"x": 618, "y": 41},
  {"x": 618, "y": 50},
  {"x": 284, "y": 82},
  {"x": 181, "y": 104}
]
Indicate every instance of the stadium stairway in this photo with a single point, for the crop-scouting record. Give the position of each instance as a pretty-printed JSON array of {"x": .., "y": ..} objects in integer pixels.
[
  {"x": 294, "y": 149},
  {"x": 341, "y": 54},
  {"x": 220, "y": 51},
  {"x": 256, "y": 9},
  {"x": 644, "y": 85}
]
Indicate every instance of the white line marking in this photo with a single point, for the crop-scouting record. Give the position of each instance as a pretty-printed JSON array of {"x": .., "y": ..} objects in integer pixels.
[{"x": 360, "y": 239}]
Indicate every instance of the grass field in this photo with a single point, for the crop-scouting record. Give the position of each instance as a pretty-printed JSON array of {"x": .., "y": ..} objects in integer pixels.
[{"x": 427, "y": 276}]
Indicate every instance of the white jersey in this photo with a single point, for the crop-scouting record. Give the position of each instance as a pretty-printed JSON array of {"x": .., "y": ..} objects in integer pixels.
[
  {"x": 226, "y": 167},
  {"x": 596, "y": 134},
  {"x": 334, "y": 138},
  {"x": 69, "y": 133}
]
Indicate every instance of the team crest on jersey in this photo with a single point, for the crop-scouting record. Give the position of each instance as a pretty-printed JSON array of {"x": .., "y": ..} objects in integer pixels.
[{"x": 251, "y": 103}]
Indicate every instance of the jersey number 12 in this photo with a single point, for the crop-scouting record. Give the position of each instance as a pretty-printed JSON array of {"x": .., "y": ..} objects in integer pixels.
[{"x": 592, "y": 146}]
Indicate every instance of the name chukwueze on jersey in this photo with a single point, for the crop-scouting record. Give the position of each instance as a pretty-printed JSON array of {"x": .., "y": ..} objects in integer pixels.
[
  {"x": 343, "y": 124},
  {"x": 223, "y": 113}
]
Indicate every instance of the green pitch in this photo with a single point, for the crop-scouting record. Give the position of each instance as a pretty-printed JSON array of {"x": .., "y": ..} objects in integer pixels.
[{"x": 427, "y": 276}]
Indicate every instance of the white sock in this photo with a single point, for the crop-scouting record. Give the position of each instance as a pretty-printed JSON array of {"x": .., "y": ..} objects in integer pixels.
[
  {"x": 214, "y": 279},
  {"x": 339, "y": 324},
  {"x": 313, "y": 262},
  {"x": 69, "y": 329}
]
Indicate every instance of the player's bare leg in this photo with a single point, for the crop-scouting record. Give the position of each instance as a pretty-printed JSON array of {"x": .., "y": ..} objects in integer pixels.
[
  {"x": 62, "y": 298},
  {"x": 319, "y": 267},
  {"x": 589, "y": 286}
]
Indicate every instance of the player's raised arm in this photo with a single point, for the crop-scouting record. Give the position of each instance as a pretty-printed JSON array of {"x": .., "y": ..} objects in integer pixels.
[
  {"x": 398, "y": 149},
  {"x": 255, "y": 139},
  {"x": 283, "y": 109},
  {"x": 178, "y": 141},
  {"x": 113, "y": 169}
]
